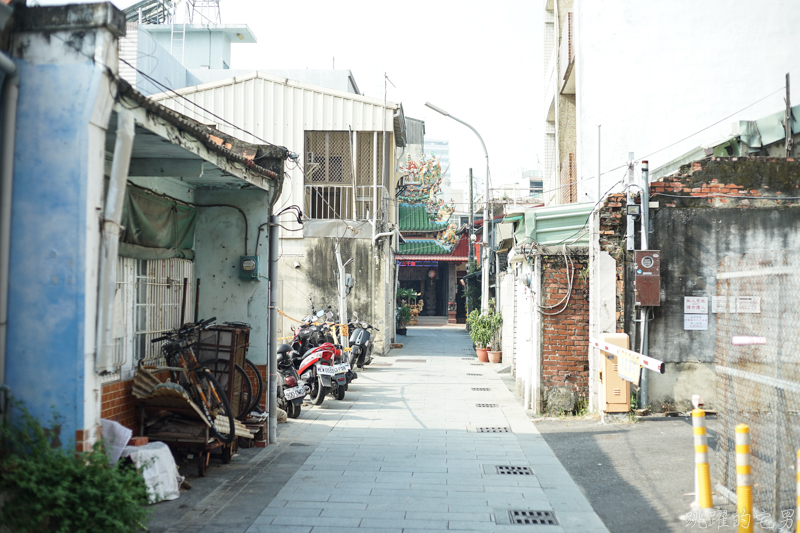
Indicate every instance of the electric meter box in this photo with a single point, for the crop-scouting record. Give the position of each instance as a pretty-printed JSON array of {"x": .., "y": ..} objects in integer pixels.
[
  {"x": 648, "y": 278},
  {"x": 250, "y": 268}
]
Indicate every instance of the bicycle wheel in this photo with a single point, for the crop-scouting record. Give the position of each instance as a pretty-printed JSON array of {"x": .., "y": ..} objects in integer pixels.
[
  {"x": 214, "y": 405},
  {"x": 258, "y": 390},
  {"x": 242, "y": 391}
]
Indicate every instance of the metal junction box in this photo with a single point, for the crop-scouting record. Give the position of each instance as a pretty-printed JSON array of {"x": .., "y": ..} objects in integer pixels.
[
  {"x": 648, "y": 278},
  {"x": 615, "y": 394}
]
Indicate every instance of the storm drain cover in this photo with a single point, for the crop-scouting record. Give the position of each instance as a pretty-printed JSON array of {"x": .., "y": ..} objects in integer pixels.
[
  {"x": 485, "y": 405},
  {"x": 381, "y": 364},
  {"x": 479, "y": 389},
  {"x": 493, "y": 430},
  {"x": 467, "y": 358},
  {"x": 474, "y": 374},
  {"x": 476, "y": 364},
  {"x": 411, "y": 360},
  {"x": 533, "y": 518},
  {"x": 514, "y": 470}
]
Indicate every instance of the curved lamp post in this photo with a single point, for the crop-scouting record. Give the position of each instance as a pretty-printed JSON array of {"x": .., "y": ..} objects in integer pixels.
[{"x": 485, "y": 245}]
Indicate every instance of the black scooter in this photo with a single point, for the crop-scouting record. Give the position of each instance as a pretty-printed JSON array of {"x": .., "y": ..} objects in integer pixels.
[
  {"x": 290, "y": 388},
  {"x": 360, "y": 342}
]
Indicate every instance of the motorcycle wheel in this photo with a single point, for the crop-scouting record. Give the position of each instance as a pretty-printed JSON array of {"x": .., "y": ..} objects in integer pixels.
[
  {"x": 294, "y": 410},
  {"x": 318, "y": 392},
  {"x": 340, "y": 392}
]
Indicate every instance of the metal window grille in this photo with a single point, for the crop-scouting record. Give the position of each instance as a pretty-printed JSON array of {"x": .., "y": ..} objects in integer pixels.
[
  {"x": 569, "y": 182},
  {"x": 758, "y": 374},
  {"x": 159, "y": 300},
  {"x": 330, "y": 190}
]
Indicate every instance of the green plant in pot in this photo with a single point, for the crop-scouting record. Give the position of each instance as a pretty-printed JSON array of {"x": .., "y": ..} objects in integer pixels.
[
  {"x": 403, "y": 316},
  {"x": 483, "y": 328}
]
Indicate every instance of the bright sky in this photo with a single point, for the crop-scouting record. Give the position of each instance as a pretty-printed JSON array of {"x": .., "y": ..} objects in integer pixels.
[{"x": 481, "y": 61}]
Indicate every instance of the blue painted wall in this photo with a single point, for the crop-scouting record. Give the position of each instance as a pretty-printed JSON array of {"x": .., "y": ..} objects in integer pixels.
[{"x": 46, "y": 344}]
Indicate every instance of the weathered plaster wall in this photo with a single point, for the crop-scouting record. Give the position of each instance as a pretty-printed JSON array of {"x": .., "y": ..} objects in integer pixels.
[
  {"x": 371, "y": 296},
  {"x": 219, "y": 241},
  {"x": 64, "y": 104}
]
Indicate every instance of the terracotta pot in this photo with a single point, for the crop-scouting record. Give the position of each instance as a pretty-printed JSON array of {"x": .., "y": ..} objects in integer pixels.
[
  {"x": 494, "y": 357},
  {"x": 483, "y": 355}
]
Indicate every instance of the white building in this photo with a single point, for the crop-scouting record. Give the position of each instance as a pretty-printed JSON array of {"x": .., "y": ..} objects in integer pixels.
[{"x": 651, "y": 74}]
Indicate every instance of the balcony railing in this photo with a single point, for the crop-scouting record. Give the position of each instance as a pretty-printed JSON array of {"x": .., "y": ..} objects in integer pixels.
[{"x": 342, "y": 201}]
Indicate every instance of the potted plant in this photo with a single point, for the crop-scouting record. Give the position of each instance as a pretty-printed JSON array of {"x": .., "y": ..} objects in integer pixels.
[
  {"x": 495, "y": 323},
  {"x": 479, "y": 333},
  {"x": 403, "y": 315}
]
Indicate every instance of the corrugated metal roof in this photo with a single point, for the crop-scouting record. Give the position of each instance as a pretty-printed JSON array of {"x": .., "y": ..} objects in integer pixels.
[
  {"x": 422, "y": 247},
  {"x": 560, "y": 224},
  {"x": 414, "y": 217}
]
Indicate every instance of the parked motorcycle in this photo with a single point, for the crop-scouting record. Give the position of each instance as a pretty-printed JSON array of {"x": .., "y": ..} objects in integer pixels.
[
  {"x": 314, "y": 332},
  {"x": 360, "y": 342},
  {"x": 316, "y": 369},
  {"x": 291, "y": 390}
]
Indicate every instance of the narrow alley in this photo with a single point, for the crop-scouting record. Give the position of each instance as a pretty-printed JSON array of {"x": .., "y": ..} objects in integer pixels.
[{"x": 402, "y": 452}]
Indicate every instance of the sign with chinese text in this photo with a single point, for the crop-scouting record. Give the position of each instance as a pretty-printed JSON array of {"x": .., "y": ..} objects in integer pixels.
[
  {"x": 695, "y": 322},
  {"x": 695, "y": 304},
  {"x": 628, "y": 365}
]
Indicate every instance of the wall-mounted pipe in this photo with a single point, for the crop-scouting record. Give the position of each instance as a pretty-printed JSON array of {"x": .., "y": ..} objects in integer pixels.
[
  {"x": 112, "y": 218},
  {"x": 8, "y": 105}
]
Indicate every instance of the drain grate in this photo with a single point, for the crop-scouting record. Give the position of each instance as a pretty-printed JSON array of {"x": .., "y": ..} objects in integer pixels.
[
  {"x": 411, "y": 360},
  {"x": 380, "y": 364},
  {"x": 480, "y": 389},
  {"x": 486, "y": 405},
  {"x": 476, "y": 364},
  {"x": 533, "y": 518},
  {"x": 493, "y": 430},
  {"x": 474, "y": 374},
  {"x": 467, "y": 358},
  {"x": 514, "y": 470}
]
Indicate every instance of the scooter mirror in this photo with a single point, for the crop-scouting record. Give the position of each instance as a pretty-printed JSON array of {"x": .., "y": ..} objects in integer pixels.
[
  {"x": 320, "y": 313},
  {"x": 355, "y": 314},
  {"x": 329, "y": 314}
]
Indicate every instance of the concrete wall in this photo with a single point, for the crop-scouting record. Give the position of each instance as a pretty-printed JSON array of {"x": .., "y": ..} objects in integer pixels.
[
  {"x": 652, "y": 73},
  {"x": 689, "y": 268},
  {"x": 154, "y": 59},
  {"x": 64, "y": 108},
  {"x": 371, "y": 296},
  {"x": 219, "y": 241}
]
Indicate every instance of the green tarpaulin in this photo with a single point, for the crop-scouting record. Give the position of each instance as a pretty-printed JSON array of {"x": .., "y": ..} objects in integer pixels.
[{"x": 156, "y": 227}]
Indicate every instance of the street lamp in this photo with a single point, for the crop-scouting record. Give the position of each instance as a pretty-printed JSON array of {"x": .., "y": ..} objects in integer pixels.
[{"x": 485, "y": 246}]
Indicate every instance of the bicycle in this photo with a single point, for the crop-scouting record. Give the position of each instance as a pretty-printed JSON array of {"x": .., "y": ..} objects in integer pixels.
[{"x": 197, "y": 380}]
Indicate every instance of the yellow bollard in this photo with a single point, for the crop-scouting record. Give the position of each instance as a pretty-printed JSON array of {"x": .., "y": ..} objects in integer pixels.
[
  {"x": 701, "y": 459},
  {"x": 744, "y": 480}
]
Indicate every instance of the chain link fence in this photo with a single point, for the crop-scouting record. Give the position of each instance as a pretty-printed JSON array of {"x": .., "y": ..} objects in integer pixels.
[{"x": 758, "y": 376}]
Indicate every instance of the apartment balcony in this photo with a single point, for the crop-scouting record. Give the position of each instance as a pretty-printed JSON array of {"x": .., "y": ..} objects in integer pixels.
[
  {"x": 566, "y": 57},
  {"x": 346, "y": 202}
]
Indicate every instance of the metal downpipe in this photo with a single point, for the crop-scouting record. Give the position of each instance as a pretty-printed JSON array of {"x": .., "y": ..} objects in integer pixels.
[
  {"x": 112, "y": 218},
  {"x": 272, "y": 356},
  {"x": 10, "y": 98}
]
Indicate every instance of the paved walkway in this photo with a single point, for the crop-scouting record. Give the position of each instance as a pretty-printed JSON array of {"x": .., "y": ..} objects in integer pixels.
[{"x": 402, "y": 453}]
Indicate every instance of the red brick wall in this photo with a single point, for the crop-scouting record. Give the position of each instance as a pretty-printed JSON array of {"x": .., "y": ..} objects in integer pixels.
[
  {"x": 565, "y": 343},
  {"x": 119, "y": 404}
]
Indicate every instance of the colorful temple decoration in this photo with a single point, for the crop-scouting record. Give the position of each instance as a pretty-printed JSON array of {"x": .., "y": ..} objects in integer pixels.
[{"x": 423, "y": 189}]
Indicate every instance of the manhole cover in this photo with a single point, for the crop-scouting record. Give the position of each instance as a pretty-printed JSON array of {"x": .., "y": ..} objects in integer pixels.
[
  {"x": 493, "y": 430},
  {"x": 480, "y": 389},
  {"x": 514, "y": 470},
  {"x": 531, "y": 518},
  {"x": 485, "y": 405},
  {"x": 474, "y": 374},
  {"x": 411, "y": 360}
]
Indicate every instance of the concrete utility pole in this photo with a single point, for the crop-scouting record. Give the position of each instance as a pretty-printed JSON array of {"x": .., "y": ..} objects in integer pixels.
[
  {"x": 485, "y": 242},
  {"x": 471, "y": 219},
  {"x": 645, "y": 219}
]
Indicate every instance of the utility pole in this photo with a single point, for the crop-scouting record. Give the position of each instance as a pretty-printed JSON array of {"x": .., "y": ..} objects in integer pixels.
[
  {"x": 787, "y": 120},
  {"x": 645, "y": 220},
  {"x": 471, "y": 219},
  {"x": 272, "y": 356}
]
